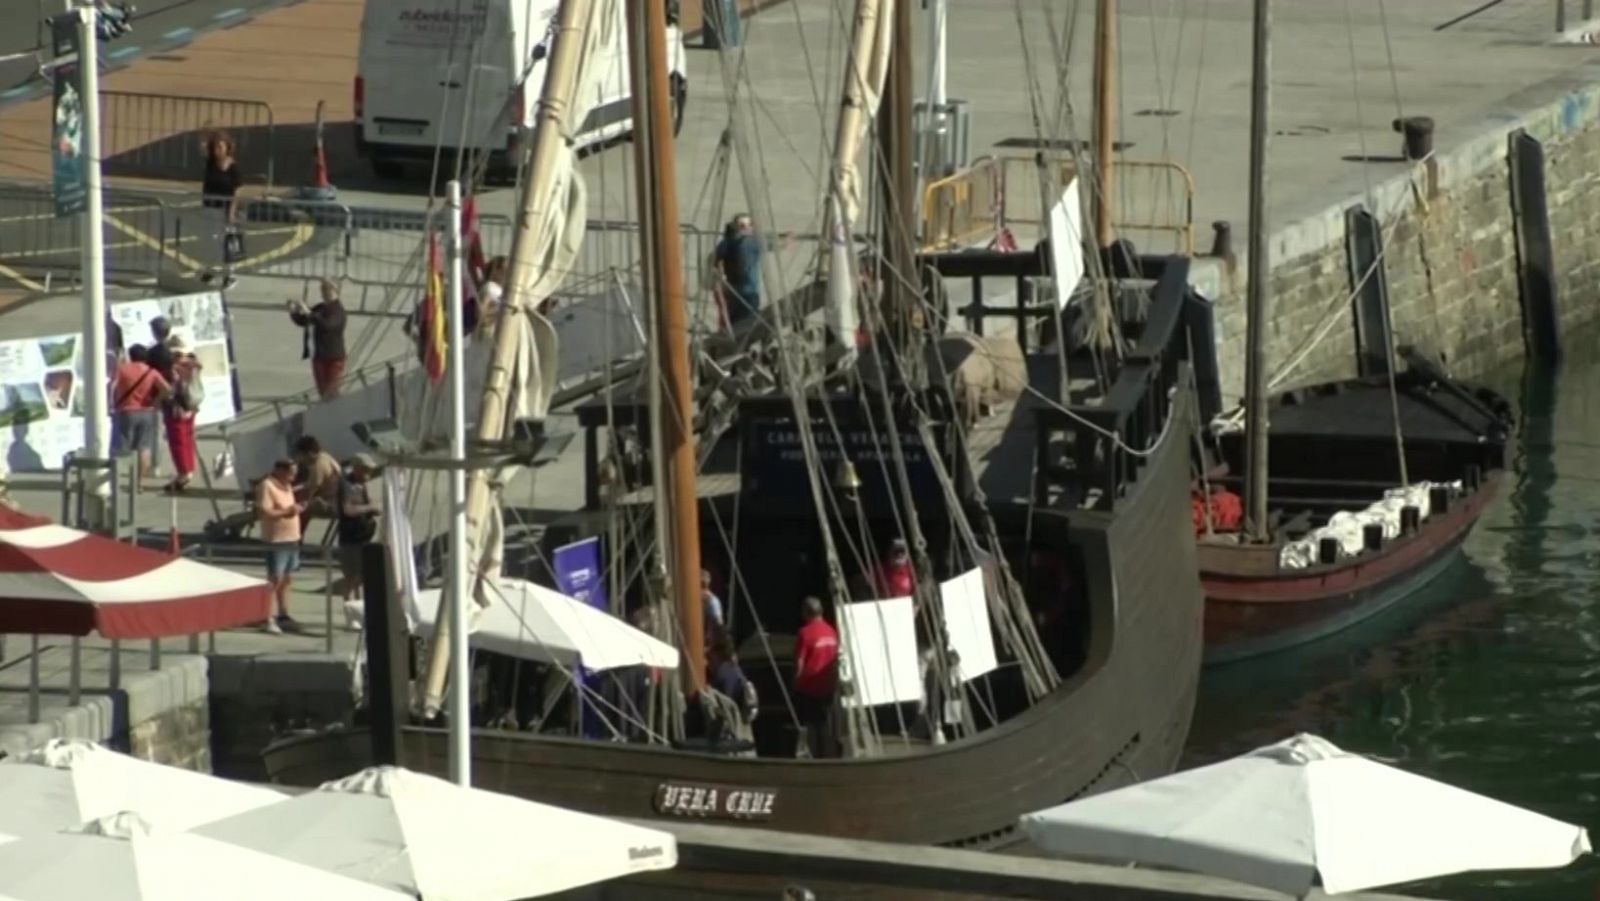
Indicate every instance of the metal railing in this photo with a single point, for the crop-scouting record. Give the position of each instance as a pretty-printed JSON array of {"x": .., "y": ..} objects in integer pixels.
[
  {"x": 965, "y": 208},
  {"x": 973, "y": 205},
  {"x": 162, "y": 135},
  {"x": 153, "y": 234},
  {"x": 37, "y": 243}
]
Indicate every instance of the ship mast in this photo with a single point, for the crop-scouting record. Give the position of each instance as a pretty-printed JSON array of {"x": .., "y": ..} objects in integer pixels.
[
  {"x": 1255, "y": 421},
  {"x": 898, "y": 198},
  {"x": 549, "y": 136},
  {"x": 657, "y": 175},
  {"x": 1105, "y": 100}
]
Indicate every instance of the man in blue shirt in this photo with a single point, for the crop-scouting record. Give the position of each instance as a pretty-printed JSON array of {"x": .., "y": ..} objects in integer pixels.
[{"x": 739, "y": 261}]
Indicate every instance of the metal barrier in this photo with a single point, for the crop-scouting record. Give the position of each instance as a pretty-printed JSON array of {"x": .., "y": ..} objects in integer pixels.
[
  {"x": 150, "y": 234},
  {"x": 965, "y": 208},
  {"x": 1003, "y": 192},
  {"x": 162, "y": 135},
  {"x": 1167, "y": 192},
  {"x": 38, "y": 244}
]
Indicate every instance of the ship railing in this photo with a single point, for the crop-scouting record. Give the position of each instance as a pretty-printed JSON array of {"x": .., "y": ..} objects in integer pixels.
[{"x": 1101, "y": 447}]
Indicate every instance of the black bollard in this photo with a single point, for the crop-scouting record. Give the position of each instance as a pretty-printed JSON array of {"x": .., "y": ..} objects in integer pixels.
[
  {"x": 1372, "y": 536},
  {"x": 1328, "y": 551},
  {"x": 1418, "y": 132},
  {"x": 1474, "y": 478},
  {"x": 1410, "y": 519},
  {"x": 1222, "y": 239},
  {"x": 1438, "y": 500}
]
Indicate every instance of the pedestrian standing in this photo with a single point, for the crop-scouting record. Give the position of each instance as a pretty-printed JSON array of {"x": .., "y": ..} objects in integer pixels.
[
  {"x": 278, "y": 518},
  {"x": 219, "y": 190},
  {"x": 816, "y": 681},
  {"x": 157, "y": 353},
  {"x": 738, "y": 257},
  {"x": 137, "y": 390},
  {"x": 188, "y": 393},
  {"x": 324, "y": 325},
  {"x": 321, "y": 477},
  {"x": 358, "y": 520}
]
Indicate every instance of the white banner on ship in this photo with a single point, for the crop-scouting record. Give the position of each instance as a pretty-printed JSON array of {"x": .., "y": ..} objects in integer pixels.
[{"x": 41, "y": 379}]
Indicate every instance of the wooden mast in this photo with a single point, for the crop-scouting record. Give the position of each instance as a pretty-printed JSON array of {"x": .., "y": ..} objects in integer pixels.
[
  {"x": 1256, "y": 300},
  {"x": 549, "y": 131},
  {"x": 1105, "y": 117},
  {"x": 657, "y": 175},
  {"x": 898, "y": 195}
]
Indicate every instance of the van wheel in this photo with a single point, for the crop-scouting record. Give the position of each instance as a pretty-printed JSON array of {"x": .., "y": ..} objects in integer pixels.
[
  {"x": 389, "y": 169},
  {"x": 680, "y": 99}
]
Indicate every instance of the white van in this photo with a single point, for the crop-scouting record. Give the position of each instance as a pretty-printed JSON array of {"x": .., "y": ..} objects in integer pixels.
[{"x": 421, "y": 60}]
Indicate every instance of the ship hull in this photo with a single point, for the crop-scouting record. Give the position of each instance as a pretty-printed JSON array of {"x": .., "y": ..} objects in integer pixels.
[
  {"x": 1333, "y": 448},
  {"x": 1254, "y": 616},
  {"x": 1122, "y": 717}
]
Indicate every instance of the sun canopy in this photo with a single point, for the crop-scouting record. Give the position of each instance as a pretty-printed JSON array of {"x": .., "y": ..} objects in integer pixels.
[
  {"x": 67, "y": 783},
  {"x": 60, "y": 581},
  {"x": 428, "y": 838},
  {"x": 538, "y": 623},
  {"x": 1285, "y": 814},
  {"x": 123, "y": 858}
]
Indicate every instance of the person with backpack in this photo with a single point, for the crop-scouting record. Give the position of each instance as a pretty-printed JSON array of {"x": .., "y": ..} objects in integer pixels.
[
  {"x": 178, "y": 414},
  {"x": 358, "y": 520}
]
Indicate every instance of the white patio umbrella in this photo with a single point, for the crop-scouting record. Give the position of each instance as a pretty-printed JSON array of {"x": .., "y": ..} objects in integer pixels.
[
  {"x": 430, "y": 838},
  {"x": 67, "y": 783},
  {"x": 533, "y": 622},
  {"x": 1287, "y": 813},
  {"x": 123, "y": 858}
]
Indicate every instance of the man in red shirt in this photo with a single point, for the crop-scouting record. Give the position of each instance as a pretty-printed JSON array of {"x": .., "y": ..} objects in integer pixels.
[
  {"x": 816, "y": 680},
  {"x": 137, "y": 391}
]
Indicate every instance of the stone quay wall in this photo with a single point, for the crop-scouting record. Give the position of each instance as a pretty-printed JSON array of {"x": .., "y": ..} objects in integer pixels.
[{"x": 1450, "y": 255}]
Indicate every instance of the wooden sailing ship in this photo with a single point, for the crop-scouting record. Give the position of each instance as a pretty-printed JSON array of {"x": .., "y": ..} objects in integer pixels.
[
  {"x": 1313, "y": 554},
  {"x": 1333, "y": 448},
  {"x": 1069, "y": 497}
]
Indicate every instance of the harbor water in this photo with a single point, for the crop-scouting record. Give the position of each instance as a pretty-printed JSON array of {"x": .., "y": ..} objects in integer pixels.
[{"x": 1489, "y": 679}]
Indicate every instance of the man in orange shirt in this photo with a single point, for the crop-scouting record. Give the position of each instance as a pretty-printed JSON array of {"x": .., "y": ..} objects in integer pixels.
[
  {"x": 278, "y": 516},
  {"x": 137, "y": 391}
]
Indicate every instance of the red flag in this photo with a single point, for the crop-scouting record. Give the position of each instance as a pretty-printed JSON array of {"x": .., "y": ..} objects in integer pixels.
[
  {"x": 431, "y": 317},
  {"x": 469, "y": 235}
]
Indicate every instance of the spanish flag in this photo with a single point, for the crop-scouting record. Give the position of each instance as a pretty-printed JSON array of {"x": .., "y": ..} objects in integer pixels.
[{"x": 431, "y": 319}]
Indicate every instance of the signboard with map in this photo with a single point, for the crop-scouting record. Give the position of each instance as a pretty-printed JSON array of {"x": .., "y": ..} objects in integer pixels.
[{"x": 41, "y": 379}]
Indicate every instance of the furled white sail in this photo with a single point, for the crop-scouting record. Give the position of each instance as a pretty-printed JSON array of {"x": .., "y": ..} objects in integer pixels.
[
  {"x": 871, "y": 37},
  {"x": 523, "y": 367},
  {"x": 551, "y": 232}
]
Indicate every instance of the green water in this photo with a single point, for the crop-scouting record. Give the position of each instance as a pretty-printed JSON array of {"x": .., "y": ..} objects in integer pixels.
[{"x": 1488, "y": 679}]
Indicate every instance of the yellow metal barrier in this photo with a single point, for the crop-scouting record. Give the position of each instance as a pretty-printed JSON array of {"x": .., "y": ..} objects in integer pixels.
[
  {"x": 965, "y": 208},
  {"x": 1177, "y": 201},
  {"x": 973, "y": 205}
]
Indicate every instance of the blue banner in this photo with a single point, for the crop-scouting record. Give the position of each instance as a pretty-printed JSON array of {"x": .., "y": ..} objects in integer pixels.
[
  {"x": 580, "y": 575},
  {"x": 69, "y": 173}
]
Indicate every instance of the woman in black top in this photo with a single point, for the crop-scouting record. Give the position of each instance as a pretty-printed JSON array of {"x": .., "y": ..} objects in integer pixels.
[{"x": 220, "y": 192}]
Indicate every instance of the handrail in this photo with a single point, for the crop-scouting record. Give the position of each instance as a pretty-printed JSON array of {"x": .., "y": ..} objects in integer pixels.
[{"x": 970, "y": 207}]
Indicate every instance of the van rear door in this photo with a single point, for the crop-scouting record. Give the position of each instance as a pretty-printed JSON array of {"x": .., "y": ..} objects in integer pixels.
[{"x": 438, "y": 72}]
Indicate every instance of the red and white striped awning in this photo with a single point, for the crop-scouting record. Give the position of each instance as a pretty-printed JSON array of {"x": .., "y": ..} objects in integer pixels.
[{"x": 60, "y": 581}]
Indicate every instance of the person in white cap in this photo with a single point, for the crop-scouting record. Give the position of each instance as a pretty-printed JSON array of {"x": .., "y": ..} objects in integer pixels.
[{"x": 178, "y": 413}]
